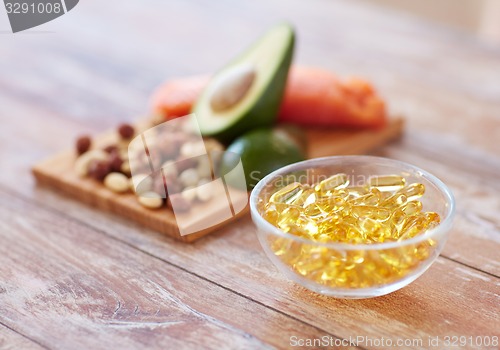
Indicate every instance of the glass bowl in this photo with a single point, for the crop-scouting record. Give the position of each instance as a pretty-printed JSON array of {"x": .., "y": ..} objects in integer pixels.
[{"x": 347, "y": 270}]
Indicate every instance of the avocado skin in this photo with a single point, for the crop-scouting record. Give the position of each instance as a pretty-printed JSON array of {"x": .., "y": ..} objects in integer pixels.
[
  {"x": 265, "y": 111},
  {"x": 262, "y": 151}
]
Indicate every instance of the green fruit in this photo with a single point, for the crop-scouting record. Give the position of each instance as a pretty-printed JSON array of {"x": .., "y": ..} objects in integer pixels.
[
  {"x": 262, "y": 151},
  {"x": 247, "y": 93}
]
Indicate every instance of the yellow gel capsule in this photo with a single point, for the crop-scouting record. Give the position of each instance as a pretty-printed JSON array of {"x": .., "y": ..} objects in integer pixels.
[
  {"x": 413, "y": 226},
  {"x": 331, "y": 204},
  {"x": 307, "y": 197},
  {"x": 356, "y": 191},
  {"x": 271, "y": 216},
  {"x": 313, "y": 210},
  {"x": 354, "y": 234},
  {"x": 332, "y": 183},
  {"x": 277, "y": 207},
  {"x": 355, "y": 215},
  {"x": 387, "y": 182},
  {"x": 372, "y": 198},
  {"x": 324, "y": 205},
  {"x": 369, "y": 226},
  {"x": 341, "y": 193},
  {"x": 433, "y": 219},
  {"x": 328, "y": 224},
  {"x": 412, "y": 191},
  {"x": 287, "y": 194},
  {"x": 305, "y": 267},
  {"x": 395, "y": 200},
  {"x": 288, "y": 216},
  {"x": 398, "y": 217},
  {"x": 412, "y": 208},
  {"x": 309, "y": 225},
  {"x": 371, "y": 211},
  {"x": 294, "y": 230}
]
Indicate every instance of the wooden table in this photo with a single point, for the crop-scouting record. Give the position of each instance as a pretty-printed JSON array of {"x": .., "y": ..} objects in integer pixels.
[{"x": 72, "y": 277}]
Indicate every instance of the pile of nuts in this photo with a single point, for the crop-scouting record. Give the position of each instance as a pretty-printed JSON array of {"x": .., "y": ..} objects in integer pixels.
[{"x": 177, "y": 155}]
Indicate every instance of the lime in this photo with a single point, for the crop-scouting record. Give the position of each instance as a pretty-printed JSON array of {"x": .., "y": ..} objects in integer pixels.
[{"x": 261, "y": 151}]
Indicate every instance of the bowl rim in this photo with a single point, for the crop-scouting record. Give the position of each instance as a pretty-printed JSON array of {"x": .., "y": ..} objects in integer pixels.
[{"x": 263, "y": 224}]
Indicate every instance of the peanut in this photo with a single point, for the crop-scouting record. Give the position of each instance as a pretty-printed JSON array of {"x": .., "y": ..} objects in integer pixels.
[
  {"x": 117, "y": 182},
  {"x": 151, "y": 200}
]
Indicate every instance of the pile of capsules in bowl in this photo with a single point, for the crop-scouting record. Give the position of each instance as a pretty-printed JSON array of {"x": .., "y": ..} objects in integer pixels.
[{"x": 384, "y": 209}]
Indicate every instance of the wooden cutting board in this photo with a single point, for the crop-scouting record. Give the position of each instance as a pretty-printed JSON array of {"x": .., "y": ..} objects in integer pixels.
[{"x": 57, "y": 172}]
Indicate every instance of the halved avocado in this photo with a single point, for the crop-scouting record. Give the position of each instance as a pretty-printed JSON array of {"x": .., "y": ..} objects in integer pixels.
[{"x": 246, "y": 94}]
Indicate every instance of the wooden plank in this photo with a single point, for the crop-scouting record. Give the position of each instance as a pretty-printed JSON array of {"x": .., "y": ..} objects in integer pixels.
[
  {"x": 324, "y": 142},
  {"x": 10, "y": 340},
  {"x": 57, "y": 172},
  {"x": 86, "y": 86},
  {"x": 449, "y": 299},
  {"x": 105, "y": 294}
]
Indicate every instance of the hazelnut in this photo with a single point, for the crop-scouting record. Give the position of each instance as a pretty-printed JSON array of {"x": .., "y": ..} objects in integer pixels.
[
  {"x": 83, "y": 161},
  {"x": 126, "y": 131},
  {"x": 98, "y": 169},
  {"x": 83, "y": 144},
  {"x": 111, "y": 149},
  {"x": 115, "y": 161}
]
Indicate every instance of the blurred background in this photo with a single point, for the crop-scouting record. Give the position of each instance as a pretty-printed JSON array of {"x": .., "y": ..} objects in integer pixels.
[
  {"x": 98, "y": 65},
  {"x": 480, "y": 17}
]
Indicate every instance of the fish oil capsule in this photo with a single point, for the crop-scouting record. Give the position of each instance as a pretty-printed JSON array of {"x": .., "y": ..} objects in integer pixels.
[
  {"x": 433, "y": 219},
  {"x": 371, "y": 198},
  {"x": 305, "y": 267},
  {"x": 308, "y": 224},
  {"x": 331, "y": 204},
  {"x": 277, "y": 207},
  {"x": 398, "y": 218},
  {"x": 323, "y": 206},
  {"x": 354, "y": 234},
  {"x": 294, "y": 230},
  {"x": 332, "y": 183},
  {"x": 356, "y": 191},
  {"x": 327, "y": 225},
  {"x": 412, "y": 191},
  {"x": 412, "y": 227},
  {"x": 307, "y": 197},
  {"x": 387, "y": 182},
  {"x": 395, "y": 200},
  {"x": 288, "y": 216},
  {"x": 412, "y": 208},
  {"x": 271, "y": 215},
  {"x": 369, "y": 226},
  {"x": 355, "y": 215},
  {"x": 287, "y": 194},
  {"x": 341, "y": 193},
  {"x": 313, "y": 210},
  {"x": 371, "y": 211}
]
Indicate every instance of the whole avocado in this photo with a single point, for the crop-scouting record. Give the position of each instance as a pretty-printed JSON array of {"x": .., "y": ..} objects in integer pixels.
[{"x": 262, "y": 151}]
